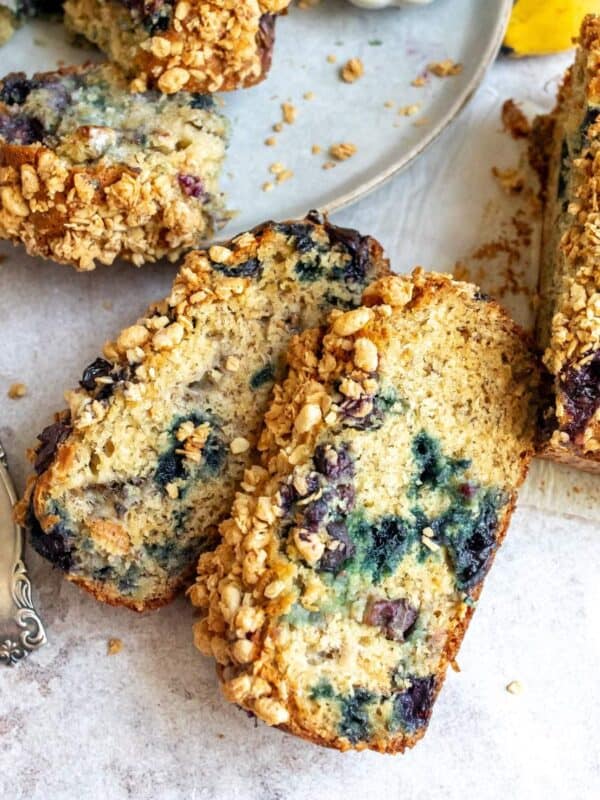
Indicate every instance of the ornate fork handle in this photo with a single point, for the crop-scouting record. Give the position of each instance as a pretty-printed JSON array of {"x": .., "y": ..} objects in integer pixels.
[{"x": 21, "y": 630}]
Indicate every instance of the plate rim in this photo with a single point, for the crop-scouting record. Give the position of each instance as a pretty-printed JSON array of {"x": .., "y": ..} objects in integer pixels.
[{"x": 367, "y": 187}]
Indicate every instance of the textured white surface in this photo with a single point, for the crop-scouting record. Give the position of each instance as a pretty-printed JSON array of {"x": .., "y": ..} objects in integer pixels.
[{"x": 150, "y": 724}]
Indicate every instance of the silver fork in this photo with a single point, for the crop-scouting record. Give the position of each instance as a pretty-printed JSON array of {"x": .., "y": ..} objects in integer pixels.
[{"x": 21, "y": 630}]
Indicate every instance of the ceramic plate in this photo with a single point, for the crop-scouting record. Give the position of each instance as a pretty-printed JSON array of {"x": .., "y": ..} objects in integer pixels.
[{"x": 395, "y": 46}]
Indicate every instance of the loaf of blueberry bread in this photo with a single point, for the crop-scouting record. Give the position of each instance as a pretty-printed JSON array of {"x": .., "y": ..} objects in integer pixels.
[
  {"x": 133, "y": 479},
  {"x": 90, "y": 172},
  {"x": 354, "y": 556},
  {"x": 566, "y": 145},
  {"x": 196, "y": 45}
]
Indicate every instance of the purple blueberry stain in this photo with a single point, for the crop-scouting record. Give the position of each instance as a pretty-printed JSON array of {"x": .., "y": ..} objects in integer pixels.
[
  {"x": 396, "y": 618},
  {"x": 192, "y": 186}
]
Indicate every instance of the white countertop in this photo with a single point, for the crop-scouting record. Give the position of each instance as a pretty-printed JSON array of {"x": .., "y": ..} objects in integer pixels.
[{"x": 150, "y": 724}]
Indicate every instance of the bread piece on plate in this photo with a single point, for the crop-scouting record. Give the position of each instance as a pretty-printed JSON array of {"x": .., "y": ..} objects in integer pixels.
[
  {"x": 196, "y": 45},
  {"x": 566, "y": 150},
  {"x": 354, "y": 556},
  {"x": 133, "y": 479},
  {"x": 90, "y": 172}
]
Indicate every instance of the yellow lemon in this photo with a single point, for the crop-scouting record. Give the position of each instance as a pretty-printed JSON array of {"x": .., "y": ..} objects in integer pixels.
[{"x": 541, "y": 27}]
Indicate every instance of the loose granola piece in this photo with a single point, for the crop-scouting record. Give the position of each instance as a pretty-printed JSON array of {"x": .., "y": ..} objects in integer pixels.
[
  {"x": 352, "y": 70},
  {"x": 445, "y": 69},
  {"x": 17, "y": 390},
  {"x": 133, "y": 479},
  {"x": 343, "y": 151},
  {"x": 90, "y": 172}
]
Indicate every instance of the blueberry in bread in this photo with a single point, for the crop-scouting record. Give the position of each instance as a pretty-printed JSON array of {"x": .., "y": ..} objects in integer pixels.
[
  {"x": 355, "y": 554},
  {"x": 566, "y": 148},
  {"x": 133, "y": 480},
  {"x": 90, "y": 172},
  {"x": 195, "y": 45}
]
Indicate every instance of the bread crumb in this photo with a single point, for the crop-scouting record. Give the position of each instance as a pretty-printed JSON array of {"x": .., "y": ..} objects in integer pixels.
[
  {"x": 309, "y": 95},
  {"x": 289, "y": 113},
  {"x": 315, "y": 149},
  {"x": 419, "y": 123},
  {"x": 331, "y": 59},
  {"x": 419, "y": 82},
  {"x": 114, "y": 647},
  {"x": 284, "y": 175},
  {"x": 276, "y": 168},
  {"x": 329, "y": 165},
  {"x": 352, "y": 70},
  {"x": 271, "y": 141},
  {"x": 514, "y": 120},
  {"x": 389, "y": 104},
  {"x": 408, "y": 111},
  {"x": 445, "y": 69},
  {"x": 267, "y": 186},
  {"x": 510, "y": 180},
  {"x": 17, "y": 390},
  {"x": 514, "y": 687},
  {"x": 278, "y": 127},
  {"x": 342, "y": 151}
]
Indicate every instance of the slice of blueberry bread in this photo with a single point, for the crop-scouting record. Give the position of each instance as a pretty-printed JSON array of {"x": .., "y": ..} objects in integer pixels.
[
  {"x": 90, "y": 172},
  {"x": 133, "y": 480},
  {"x": 353, "y": 559},
  {"x": 196, "y": 45},
  {"x": 566, "y": 145}
]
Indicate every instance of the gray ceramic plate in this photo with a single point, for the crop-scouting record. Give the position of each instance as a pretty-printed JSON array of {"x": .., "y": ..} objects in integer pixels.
[{"x": 395, "y": 45}]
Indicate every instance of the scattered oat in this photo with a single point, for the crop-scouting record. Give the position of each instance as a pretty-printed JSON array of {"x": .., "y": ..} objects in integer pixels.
[
  {"x": 329, "y": 165},
  {"x": 510, "y": 180},
  {"x": 271, "y": 141},
  {"x": 445, "y": 69},
  {"x": 289, "y": 113},
  {"x": 17, "y": 390},
  {"x": 267, "y": 186},
  {"x": 419, "y": 82},
  {"x": 419, "y": 123},
  {"x": 278, "y": 127},
  {"x": 389, "y": 104},
  {"x": 514, "y": 687},
  {"x": 352, "y": 70},
  {"x": 331, "y": 59},
  {"x": 408, "y": 111},
  {"x": 276, "y": 168},
  {"x": 342, "y": 151},
  {"x": 515, "y": 121},
  {"x": 315, "y": 149},
  {"x": 309, "y": 95},
  {"x": 114, "y": 647},
  {"x": 283, "y": 176}
]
